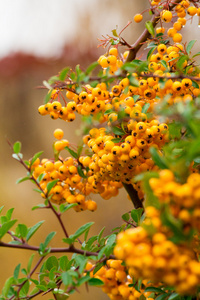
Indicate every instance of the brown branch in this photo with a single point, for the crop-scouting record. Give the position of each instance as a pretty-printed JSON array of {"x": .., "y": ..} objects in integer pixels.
[
  {"x": 133, "y": 195},
  {"x": 145, "y": 35},
  {"x": 70, "y": 249}
]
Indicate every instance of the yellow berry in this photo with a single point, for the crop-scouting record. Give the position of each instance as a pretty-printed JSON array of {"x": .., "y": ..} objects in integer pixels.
[
  {"x": 138, "y": 18},
  {"x": 177, "y": 38},
  {"x": 166, "y": 16},
  {"x": 58, "y": 133}
]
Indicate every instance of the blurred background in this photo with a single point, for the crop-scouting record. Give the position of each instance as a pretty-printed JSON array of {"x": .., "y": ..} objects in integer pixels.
[{"x": 38, "y": 39}]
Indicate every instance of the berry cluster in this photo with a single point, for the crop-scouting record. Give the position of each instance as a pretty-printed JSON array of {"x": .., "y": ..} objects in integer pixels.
[
  {"x": 70, "y": 186},
  {"x": 56, "y": 110},
  {"x": 119, "y": 159},
  {"x": 178, "y": 16},
  {"x": 112, "y": 60},
  {"x": 183, "y": 199},
  {"x": 74, "y": 183},
  {"x": 152, "y": 255},
  {"x": 117, "y": 282},
  {"x": 120, "y": 148}
]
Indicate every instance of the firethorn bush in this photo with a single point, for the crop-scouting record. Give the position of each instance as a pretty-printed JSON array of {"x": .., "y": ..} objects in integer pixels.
[{"x": 140, "y": 110}]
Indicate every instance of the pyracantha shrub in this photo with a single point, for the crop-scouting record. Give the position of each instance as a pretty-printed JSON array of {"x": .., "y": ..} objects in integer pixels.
[{"x": 140, "y": 106}]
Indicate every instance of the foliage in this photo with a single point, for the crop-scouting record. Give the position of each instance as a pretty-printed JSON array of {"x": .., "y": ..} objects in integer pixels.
[{"x": 140, "y": 130}]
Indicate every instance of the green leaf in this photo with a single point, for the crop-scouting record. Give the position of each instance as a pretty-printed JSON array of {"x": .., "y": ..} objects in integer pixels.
[
  {"x": 37, "y": 155},
  {"x": 17, "y": 147},
  {"x": 114, "y": 42},
  {"x": 48, "y": 96},
  {"x": 81, "y": 230},
  {"x": 117, "y": 131},
  {"x": 80, "y": 172},
  {"x": 136, "y": 215},
  {"x": 37, "y": 190},
  {"x": 174, "y": 224},
  {"x": 150, "y": 28},
  {"x": 162, "y": 297},
  {"x": 95, "y": 282},
  {"x": 181, "y": 61},
  {"x": 30, "y": 263},
  {"x": 175, "y": 130},
  {"x": 83, "y": 279},
  {"x": 60, "y": 294},
  {"x": 108, "y": 111},
  {"x": 23, "y": 270},
  {"x": 126, "y": 217},
  {"x": 40, "y": 177},
  {"x": 151, "y": 199},
  {"x": 22, "y": 179},
  {"x": 98, "y": 267},
  {"x": 121, "y": 115},
  {"x": 100, "y": 234},
  {"x": 6, "y": 226},
  {"x": 91, "y": 67},
  {"x": 16, "y": 271},
  {"x": 195, "y": 84},
  {"x": 81, "y": 262},
  {"x": 133, "y": 80},
  {"x": 138, "y": 285},
  {"x": 22, "y": 229},
  {"x": 7, "y": 286},
  {"x": 153, "y": 289},
  {"x": 51, "y": 184},
  {"x": 49, "y": 238},
  {"x": 174, "y": 296},
  {"x": 68, "y": 240},
  {"x": 42, "y": 287},
  {"x": 42, "y": 205},
  {"x": 15, "y": 242},
  {"x": 33, "y": 229},
  {"x": 63, "y": 207},
  {"x": 143, "y": 66},
  {"x": 63, "y": 262},
  {"x": 9, "y": 213},
  {"x": 18, "y": 156},
  {"x": 151, "y": 52},
  {"x": 114, "y": 32},
  {"x": 163, "y": 62},
  {"x": 116, "y": 140},
  {"x": 111, "y": 240},
  {"x": 66, "y": 278},
  {"x": 51, "y": 283},
  {"x": 189, "y": 46},
  {"x": 74, "y": 154},
  {"x": 1, "y": 208},
  {"x": 78, "y": 70},
  {"x": 108, "y": 248},
  {"x": 159, "y": 160},
  {"x": 80, "y": 149},
  {"x": 198, "y": 53},
  {"x": 52, "y": 262},
  {"x": 145, "y": 108},
  {"x": 63, "y": 73}
]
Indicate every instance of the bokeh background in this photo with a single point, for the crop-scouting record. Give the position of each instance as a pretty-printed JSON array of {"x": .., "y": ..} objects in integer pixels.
[{"x": 38, "y": 39}]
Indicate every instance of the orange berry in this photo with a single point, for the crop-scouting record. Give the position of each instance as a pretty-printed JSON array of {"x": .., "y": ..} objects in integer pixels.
[
  {"x": 192, "y": 10},
  {"x": 166, "y": 16},
  {"x": 113, "y": 51},
  {"x": 138, "y": 18},
  {"x": 160, "y": 30},
  {"x": 42, "y": 110},
  {"x": 58, "y": 134},
  {"x": 177, "y": 38}
]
